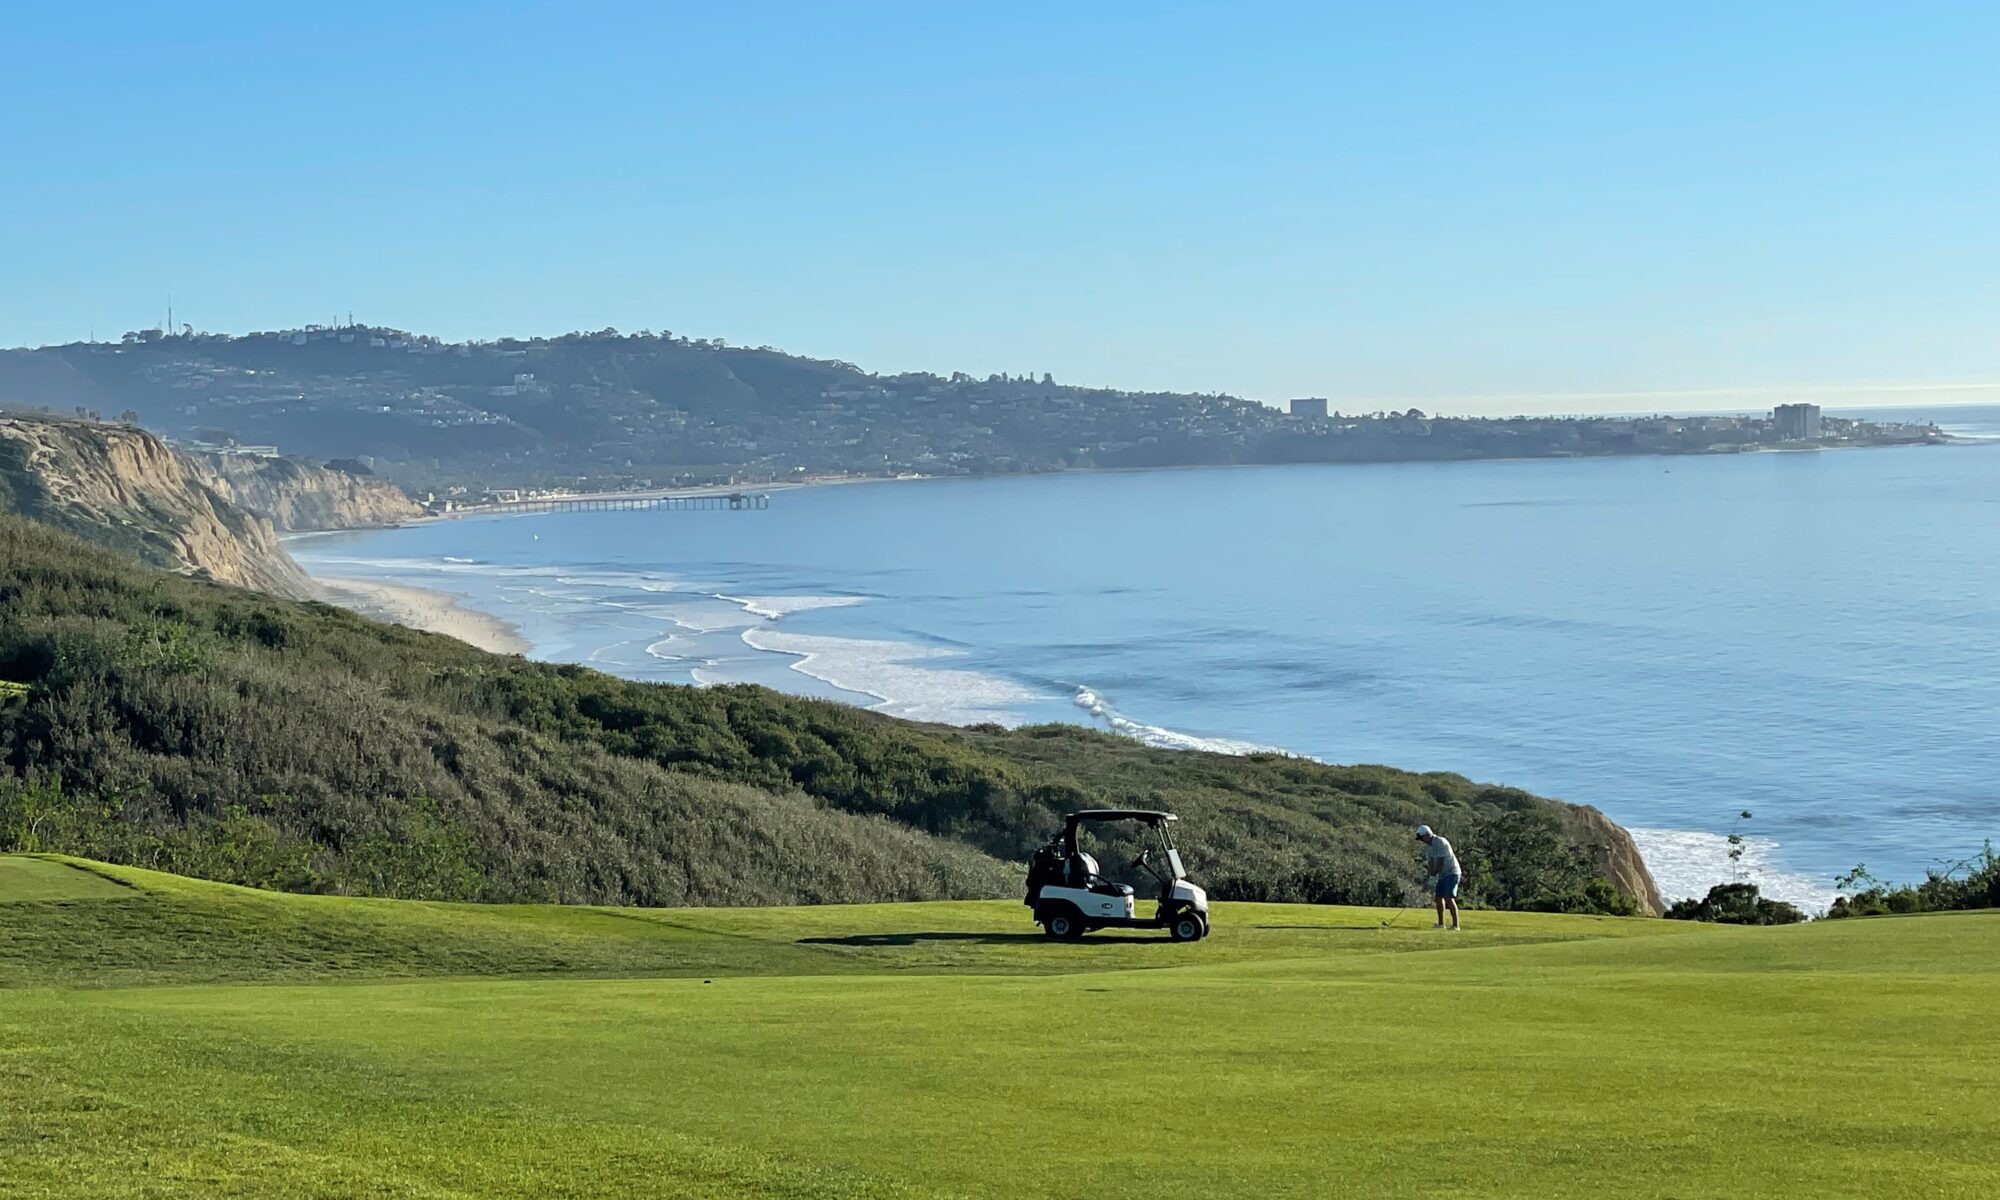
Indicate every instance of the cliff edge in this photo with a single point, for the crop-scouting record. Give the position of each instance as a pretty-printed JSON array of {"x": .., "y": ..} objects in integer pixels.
[
  {"x": 123, "y": 488},
  {"x": 295, "y": 494},
  {"x": 1617, "y": 856}
]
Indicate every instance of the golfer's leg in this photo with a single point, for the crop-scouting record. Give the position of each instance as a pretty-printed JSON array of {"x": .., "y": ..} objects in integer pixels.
[
  {"x": 1452, "y": 904},
  {"x": 1438, "y": 903}
]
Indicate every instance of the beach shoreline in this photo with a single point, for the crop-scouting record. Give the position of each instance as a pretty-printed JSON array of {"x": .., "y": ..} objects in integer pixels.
[{"x": 424, "y": 608}]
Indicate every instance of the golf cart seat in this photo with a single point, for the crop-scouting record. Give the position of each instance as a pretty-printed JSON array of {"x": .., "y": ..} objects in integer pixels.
[{"x": 1080, "y": 870}]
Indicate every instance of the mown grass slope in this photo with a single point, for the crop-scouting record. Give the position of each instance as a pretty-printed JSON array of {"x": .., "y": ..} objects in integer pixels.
[
  {"x": 154, "y": 928},
  {"x": 45, "y": 877},
  {"x": 929, "y": 1050}
]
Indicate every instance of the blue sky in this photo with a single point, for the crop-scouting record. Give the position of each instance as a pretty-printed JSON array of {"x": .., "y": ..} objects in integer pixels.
[{"x": 1473, "y": 207}]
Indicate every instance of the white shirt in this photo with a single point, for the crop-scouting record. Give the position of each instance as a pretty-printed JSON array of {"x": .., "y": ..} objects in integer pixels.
[{"x": 1438, "y": 858}]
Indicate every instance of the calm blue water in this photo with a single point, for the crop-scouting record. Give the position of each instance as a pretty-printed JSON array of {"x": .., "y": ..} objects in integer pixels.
[{"x": 1814, "y": 637}]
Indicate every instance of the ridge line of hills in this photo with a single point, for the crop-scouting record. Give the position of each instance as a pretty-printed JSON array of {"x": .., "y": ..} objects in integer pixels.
[{"x": 608, "y": 411}]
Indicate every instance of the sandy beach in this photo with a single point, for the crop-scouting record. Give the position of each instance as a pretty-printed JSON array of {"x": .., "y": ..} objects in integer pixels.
[{"x": 422, "y": 608}]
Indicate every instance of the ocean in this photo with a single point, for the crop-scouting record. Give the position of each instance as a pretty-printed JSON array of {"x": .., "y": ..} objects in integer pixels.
[{"x": 1810, "y": 637}]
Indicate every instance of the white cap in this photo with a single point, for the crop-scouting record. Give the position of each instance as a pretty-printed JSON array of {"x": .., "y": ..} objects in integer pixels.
[{"x": 1423, "y": 831}]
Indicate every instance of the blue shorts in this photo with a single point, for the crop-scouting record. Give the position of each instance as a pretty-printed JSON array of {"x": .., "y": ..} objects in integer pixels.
[{"x": 1447, "y": 887}]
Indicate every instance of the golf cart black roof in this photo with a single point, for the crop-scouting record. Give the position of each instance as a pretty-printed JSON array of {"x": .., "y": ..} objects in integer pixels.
[{"x": 1120, "y": 814}]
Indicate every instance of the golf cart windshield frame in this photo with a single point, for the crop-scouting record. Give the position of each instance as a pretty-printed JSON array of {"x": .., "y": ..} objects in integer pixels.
[{"x": 1158, "y": 822}]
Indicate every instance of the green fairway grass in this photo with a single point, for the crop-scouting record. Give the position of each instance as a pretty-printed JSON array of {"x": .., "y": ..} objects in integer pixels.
[
  {"x": 153, "y": 928},
  {"x": 24, "y": 877},
  {"x": 176, "y": 1038}
]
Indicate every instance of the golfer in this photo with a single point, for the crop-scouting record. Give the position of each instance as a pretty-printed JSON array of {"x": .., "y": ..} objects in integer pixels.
[{"x": 1442, "y": 866}]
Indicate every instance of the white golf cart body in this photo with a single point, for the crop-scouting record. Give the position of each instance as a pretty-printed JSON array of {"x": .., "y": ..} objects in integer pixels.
[
  {"x": 1092, "y": 904},
  {"x": 1070, "y": 897},
  {"x": 1123, "y": 908}
]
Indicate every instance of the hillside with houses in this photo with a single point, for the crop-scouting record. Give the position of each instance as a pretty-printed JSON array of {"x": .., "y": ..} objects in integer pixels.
[{"x": 614, "y": 410}]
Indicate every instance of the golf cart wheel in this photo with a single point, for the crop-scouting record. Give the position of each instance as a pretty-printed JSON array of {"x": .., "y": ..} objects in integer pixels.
[
  {"x": 1188, "y": 927},
  {"x": 1066, "y": 926}
]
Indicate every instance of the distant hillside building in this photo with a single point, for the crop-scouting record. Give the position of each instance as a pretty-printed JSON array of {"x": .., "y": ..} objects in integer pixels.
[
  {"x": 1796, "y": 422},
  {"x": 1311, "y": 407}
]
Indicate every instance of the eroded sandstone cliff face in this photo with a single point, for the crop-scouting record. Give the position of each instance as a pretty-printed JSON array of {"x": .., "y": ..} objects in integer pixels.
[
  {"x": 124, "y": 488},
  {"x": 1618, "y": 858},
  {"x": 296, "y": 494}
]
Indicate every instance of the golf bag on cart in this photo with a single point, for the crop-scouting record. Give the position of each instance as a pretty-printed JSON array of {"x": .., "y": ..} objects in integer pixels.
[{"x": 1054, "y": 866}]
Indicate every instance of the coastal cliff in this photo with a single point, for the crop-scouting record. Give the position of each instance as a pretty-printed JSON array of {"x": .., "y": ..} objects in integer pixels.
[
  {"x": 294, "y": 494},
  {"x": 1617, "y": 857},
  {"x": 123, "y": 488}
]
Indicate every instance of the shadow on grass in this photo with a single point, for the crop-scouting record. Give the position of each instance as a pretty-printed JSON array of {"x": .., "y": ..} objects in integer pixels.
[{"x": 987, "y": 939}]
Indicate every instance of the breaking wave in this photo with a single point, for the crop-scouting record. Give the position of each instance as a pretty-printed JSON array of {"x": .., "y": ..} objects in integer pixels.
[
  {"x": 899, "y": 676},
  {"x": 1686, "y": 863},
  {"x": 771, "y": 608},
  {"x": 1160, "y": 736}
]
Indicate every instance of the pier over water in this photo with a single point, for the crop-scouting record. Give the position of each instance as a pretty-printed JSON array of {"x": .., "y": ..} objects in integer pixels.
[{"x": 707, "y": 501}]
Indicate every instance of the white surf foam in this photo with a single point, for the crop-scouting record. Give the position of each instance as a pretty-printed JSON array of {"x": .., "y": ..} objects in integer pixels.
[
  {"x": 1160, "y": 736},
  {"x": 896, "y": 675},
  {"x": 395, "y": 568},
  {"x": 771, "y": 608},
  {"x": 1688, "y": 862},
  {"x": 699, "y": 615},
  {"x": 619, "y": 579},
  {"x": 662, "y": 648},
  {"x": 568, "y": 576}
]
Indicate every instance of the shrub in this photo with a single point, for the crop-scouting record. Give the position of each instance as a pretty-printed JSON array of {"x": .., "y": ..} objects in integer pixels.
[
  {"x": 1735, "y": 904},
  {"x": 1950, "y": 887}
]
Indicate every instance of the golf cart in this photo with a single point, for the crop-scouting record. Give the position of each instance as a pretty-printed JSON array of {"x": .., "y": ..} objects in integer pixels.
[{"x": 1070, "y": 898}]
